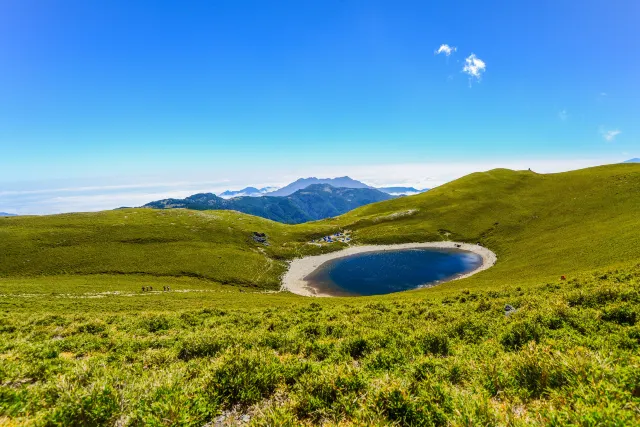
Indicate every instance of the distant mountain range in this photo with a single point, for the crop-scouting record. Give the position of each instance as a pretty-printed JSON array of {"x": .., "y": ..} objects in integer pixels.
[
  {"x": 341, "y": 182},
  {"x": 7, "y": 214},
  {"x": 314, "y": 202},
  {"x": 636, "y": 160}
]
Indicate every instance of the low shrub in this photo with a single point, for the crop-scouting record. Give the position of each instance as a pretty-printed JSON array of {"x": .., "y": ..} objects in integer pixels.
[
  {"x": 428, "y": 408},
  {"x": 469, "y": 330},
  {"x": 317, "y": 350},
  {"x": 385, "y": 360},
  {"x": 91, "y": 328},
  {"x": 538, "y": 370},
  {"x": 330, "y": 393},
  {"x": 520, "y": 333},
  {"x": 201, "y": 346},
  {"x": 155, "y": 323},
  {"x": 245, "y": 377},
  {"x": 622, "y": 314},
  {"x": 434, "y": 343},
  {"x": 97, "y": 407},
  {"x": 357, "y": 347}
]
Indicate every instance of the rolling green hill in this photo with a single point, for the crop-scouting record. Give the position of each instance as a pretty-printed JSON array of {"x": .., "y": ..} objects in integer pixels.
[
  {"x": 539, "y": 225},
  {"x": 80, "y": 344}
]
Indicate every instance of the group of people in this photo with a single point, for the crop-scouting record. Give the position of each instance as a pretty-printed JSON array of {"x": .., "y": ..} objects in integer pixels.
[{"x": 150, "y": 288}]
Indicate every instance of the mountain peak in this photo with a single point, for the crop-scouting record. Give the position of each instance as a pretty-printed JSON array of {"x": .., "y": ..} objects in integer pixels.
[
  {"x": 302, "y": 183},
  {"x": 339, "y": 182}
]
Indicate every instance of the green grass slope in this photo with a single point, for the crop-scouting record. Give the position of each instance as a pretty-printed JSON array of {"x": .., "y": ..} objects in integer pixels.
[
  {"x": 80, "y": 344},
  {"x": 212, "y": 245},
  {"x": 539, "y": 225}
]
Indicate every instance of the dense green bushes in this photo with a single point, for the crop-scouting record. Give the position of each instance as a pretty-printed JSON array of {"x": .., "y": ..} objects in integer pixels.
[
  {"x": 568, "y": 355},
  {"x": 81, "y": 344}
]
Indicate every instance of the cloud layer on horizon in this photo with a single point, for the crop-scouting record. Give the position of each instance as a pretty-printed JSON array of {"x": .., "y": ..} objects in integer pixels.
[{"x": 84, "y": 198}]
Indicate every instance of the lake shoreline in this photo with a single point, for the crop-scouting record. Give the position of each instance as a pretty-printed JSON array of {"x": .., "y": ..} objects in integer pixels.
[{"x": 294, "y": 279}]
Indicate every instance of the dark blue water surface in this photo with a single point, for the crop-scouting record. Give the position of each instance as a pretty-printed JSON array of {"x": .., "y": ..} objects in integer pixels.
[{"x": 375, "y": 273}]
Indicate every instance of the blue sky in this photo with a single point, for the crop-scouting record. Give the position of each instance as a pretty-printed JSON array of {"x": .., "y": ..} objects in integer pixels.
[{"x": 106, "y": 103}]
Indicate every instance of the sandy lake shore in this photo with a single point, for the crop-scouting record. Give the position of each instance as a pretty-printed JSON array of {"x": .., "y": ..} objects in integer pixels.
[{"x": 294, "y": 279}]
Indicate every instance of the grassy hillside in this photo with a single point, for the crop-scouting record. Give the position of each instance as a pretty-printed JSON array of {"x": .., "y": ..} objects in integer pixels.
[
  {"x": 540, "y": 226},
  {"x": 80, "y": 344}
]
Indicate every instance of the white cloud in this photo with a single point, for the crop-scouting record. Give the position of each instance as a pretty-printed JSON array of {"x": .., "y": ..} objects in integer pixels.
[
  {"x": 610, "y": 135},
  {"x": 474, "y": 67},
  {"x": 563, "y": 115},
  {"x": 446, "y": 49}
]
